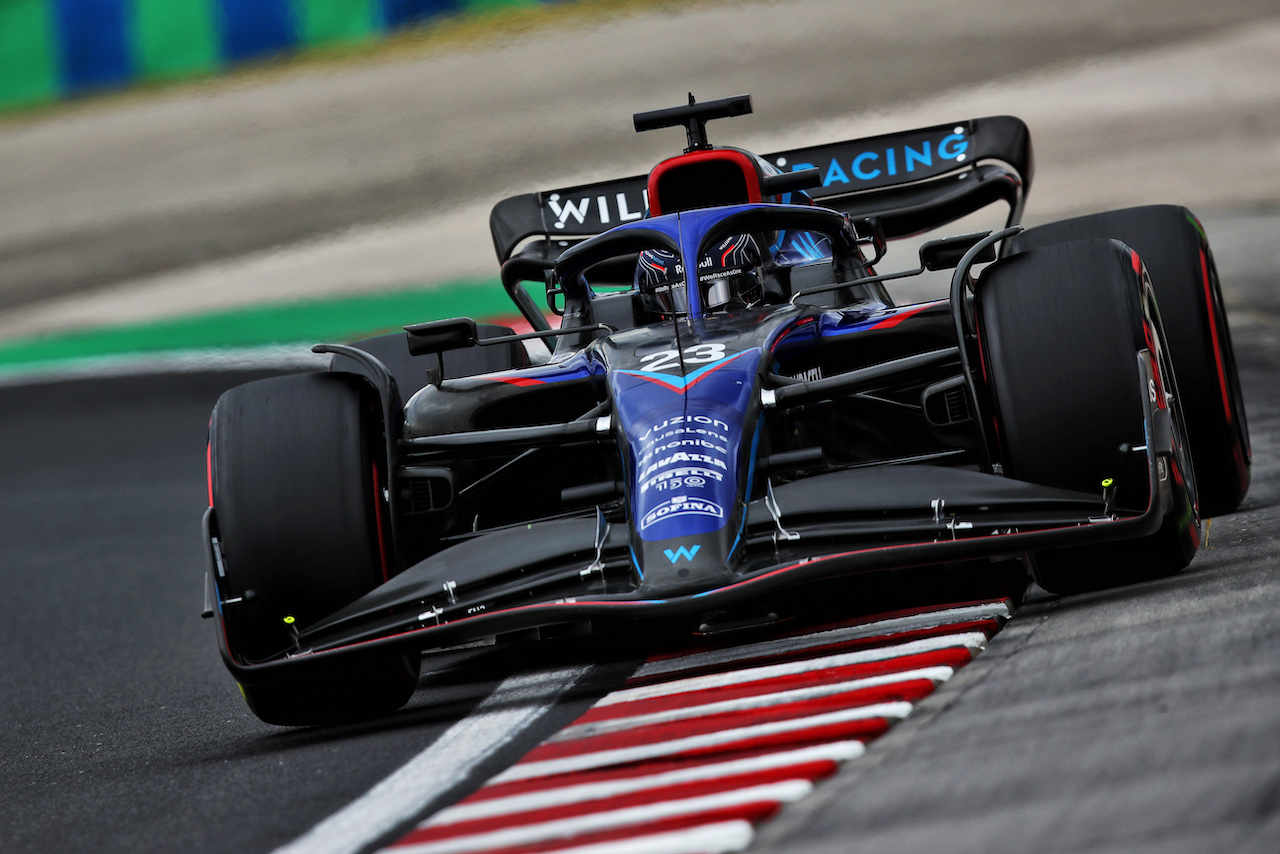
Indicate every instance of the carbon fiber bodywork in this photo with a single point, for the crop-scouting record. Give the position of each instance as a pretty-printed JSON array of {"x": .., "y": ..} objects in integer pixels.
[{"x": 663, "y": 465}]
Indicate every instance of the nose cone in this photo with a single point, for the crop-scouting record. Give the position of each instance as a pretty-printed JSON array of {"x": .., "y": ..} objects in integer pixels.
[
  {"x": 684, "y": 566},
  {"x": 689, "y": 432}
]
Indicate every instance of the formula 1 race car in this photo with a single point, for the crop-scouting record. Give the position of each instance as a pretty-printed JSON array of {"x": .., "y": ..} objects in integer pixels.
[{"x": 733, "y": 409}]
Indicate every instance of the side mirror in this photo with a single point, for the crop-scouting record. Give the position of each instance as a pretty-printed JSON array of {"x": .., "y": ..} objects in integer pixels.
[
  {"x": 440, "y": 335},
  {"x": 871, "y": 230},
  {"x": 947, "y": 252},
  {"x": 790, "y": 182},
  {"x": 554, "y": 290}
]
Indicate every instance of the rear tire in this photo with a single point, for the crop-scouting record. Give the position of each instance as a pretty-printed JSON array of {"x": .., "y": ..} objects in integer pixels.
[
  {"x": 1172, "y": 246},
  {"x": 292, "y": 476},
  {"x": 1061, "y": 328}
]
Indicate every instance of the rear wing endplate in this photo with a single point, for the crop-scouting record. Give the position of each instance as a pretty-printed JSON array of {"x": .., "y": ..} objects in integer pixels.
[{"x": 913, "y": 181}]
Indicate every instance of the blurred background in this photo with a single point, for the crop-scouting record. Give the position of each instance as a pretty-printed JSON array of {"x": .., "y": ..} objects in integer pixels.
[{"x": 194, "y": 174}]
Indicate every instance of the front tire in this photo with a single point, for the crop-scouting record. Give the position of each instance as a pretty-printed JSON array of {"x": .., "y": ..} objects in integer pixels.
[
  {"x": 292, "y": 474},
  {"x": 1061, "y": 330},
  {"x": 1173, "y": 248}
]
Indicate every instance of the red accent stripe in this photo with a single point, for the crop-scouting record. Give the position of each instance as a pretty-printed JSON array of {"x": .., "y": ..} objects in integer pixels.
[
  {"x": 1213, "y": 334},
  {"x": 987, "y": 626},
  {"x": 752, "y": 812},
  {"x": 520, "y": 382},
  {"x": 687, "y": 386},
  {"x": 862, "y": 728},
  {"x": 909, "y": 690},
  {"x": 890, "y": 322},
  {"x": 956, "y": 656},
  {"x": 638, "y": 769},
  {"x": 1237, "y": 458},
  {"x": 811, "y": 629},
  {"x": 668, "y": 386},
  {"x": 894, "y": 615},
  {"x": 377, "y": 516},
  {"x": 1148, "y": 335},
  {"x": 692, "y": 789},
  {"x": 737, "y": 158}
]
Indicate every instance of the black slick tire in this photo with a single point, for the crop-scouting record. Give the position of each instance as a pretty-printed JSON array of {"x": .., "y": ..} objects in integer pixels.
[
  {"x": 1172, "y": 246},
  {"x": 293, "y": 478},
  {"x": 1061, "y": 330}
]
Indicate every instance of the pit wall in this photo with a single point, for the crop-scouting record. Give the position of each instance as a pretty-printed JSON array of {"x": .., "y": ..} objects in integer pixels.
[{"x": 51, "y": 49}]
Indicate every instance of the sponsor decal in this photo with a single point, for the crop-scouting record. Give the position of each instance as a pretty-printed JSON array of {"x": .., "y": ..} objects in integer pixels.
[
  {"x": 883, "y": 161},
  {"x": 683, "y": 422},
  {"x": 686, "y": 457},
  {"x": 681, "y": 457},
  {"x": 683, "y": 452},
  {"x": 647, "y": 445},
  {"x": 675, "y": 444},
  {"x": 682, "y": 552},
  {"x": 684, "y": 447},
  {"x": 880, "y": 161},
  {"x": 710, "y": 356},
  {"x": 682, "y": 505},
  {"x": 594, "y": 212},
  {"x": 669, "y": 360},
  {"x": 687, "y": 477}
]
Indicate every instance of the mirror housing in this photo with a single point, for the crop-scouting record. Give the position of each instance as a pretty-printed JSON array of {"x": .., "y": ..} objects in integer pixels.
[
  {"x": 440, "y": 335},
  {"x": 790, "y": 182},
  {"x": 871, "y": 230},
  {"x": 947, "y": 252}
]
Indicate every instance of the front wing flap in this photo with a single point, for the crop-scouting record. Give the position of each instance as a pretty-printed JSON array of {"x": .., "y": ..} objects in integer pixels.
[{"x": 563, "y": 577}]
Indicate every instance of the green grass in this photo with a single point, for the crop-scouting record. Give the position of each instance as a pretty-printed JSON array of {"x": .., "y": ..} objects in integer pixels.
[{"x": 303, "y": 322}]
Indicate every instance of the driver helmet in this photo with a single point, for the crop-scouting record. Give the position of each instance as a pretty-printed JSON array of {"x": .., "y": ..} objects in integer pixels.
[{"x": 728, "y": 278}]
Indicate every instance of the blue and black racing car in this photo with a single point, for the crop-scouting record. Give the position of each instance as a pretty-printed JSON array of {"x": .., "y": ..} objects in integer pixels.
[{"x": 731, "y": 409}]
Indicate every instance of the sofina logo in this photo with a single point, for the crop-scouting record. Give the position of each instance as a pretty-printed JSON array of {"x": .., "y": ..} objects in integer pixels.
[
  {"x": 682, "y": 552},
  {"x": 681, "y": 505}
]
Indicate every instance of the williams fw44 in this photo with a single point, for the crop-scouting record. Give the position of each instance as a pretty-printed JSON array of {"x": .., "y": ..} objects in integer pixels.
[{"x": 731, "y": 409}]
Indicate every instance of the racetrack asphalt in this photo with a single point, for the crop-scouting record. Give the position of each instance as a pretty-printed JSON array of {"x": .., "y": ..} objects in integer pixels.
[{"x": 121, "y": 733}]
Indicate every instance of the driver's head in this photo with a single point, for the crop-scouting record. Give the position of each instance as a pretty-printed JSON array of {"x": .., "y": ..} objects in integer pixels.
[{"x": 728, "y": 278}]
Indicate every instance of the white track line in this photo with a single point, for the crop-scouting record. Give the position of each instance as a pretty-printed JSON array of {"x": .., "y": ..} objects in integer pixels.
[
  {"x": 840, "y": 751},
  {"x": 724, "y": 837},
  {"x": 695, "y": 710},
  {"x": 281, "y": 357},
  {"x": 931, "y": 619},
  {"x": 973, "y": 641},
  {"x": 637, "y": 753},
  {"x": 513, "y": 706},
  {"x": 787, "y": 791}
]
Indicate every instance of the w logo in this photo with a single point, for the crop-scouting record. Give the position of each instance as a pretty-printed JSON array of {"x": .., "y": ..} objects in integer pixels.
[
  {"x": 682, "y": 552},
  {"x": 577, "y": 211}
]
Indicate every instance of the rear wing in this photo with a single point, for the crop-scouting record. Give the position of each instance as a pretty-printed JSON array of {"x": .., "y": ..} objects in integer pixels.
[{"x": 913, "y": 181}]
